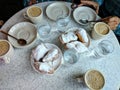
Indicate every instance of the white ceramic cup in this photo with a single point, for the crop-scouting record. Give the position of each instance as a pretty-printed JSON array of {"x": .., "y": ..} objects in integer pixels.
[
  {"x": 100, "y": 30},
  {"x": 34, "y": 14},
  {"x": 93, "y": 79},
  {"x": 6, "y": 51}
]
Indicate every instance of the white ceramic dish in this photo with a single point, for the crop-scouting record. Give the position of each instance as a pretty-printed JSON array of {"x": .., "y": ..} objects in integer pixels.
[
  {"x": 84, "y": 12},
  {"x": 57, "y": 9},
  {"x": 56, "y": 62},
  {"x": 24, "y": 30}
]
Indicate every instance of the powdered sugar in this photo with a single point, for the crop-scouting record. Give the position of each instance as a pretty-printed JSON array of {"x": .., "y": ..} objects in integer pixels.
[
  {"x": 39, "y": 51},
  {"x": 83, "y": 33},
  {"x": 78, "y": 46},
  {"x": 70, "y": 36},
  {"x": 45, "y": 67},
  {"x": 51, "y": 57},
  {"x": 52, "y": 54}
]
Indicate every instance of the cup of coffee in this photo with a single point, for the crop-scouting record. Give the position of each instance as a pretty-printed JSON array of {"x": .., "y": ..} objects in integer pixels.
[
  {"x": 100, "y": 30},
  {"x": 6, "y": 51},
  {"x": 93, "y": 79},
  {"x": 34, "y": 14}
]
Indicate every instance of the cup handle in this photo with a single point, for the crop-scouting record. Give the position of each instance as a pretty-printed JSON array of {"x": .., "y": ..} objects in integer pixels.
[
  {"x": 25, "y": 16},
  {"x": 6, "y": 59},
  {"x": 80, "y": 79},
  {"x": 1, "y": 60}
]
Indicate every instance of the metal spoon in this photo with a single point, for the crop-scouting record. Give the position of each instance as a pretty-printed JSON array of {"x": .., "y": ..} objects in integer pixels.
[
  {"x": 85, "y": 21},
  {"x": 20, "y": 41}
]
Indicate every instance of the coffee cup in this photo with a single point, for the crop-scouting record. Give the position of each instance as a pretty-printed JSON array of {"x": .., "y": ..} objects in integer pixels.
[
  {"x": 100, "y": 30},
  {"x": 6, "y": 51},
  {"x": 34, "y": 14},
  {"x": 93, "y": 79}
]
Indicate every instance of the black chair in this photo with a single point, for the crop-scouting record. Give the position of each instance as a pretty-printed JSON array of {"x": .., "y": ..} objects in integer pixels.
[{"x": 9, "y": 8}]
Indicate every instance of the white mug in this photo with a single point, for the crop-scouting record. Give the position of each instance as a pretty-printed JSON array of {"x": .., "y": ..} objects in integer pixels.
[
  {"x": 6, "y": 51},
  {"x": 100, "y": 30},
  {"x": 34, "y": 14},
  {"x": 93, "y": 79}
]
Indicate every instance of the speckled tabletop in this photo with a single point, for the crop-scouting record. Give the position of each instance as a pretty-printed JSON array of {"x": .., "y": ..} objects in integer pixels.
[{"x": 19, "y": 74}]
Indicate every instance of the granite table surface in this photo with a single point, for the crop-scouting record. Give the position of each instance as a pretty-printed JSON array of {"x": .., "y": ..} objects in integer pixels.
[{"x": 19, "y": 74}]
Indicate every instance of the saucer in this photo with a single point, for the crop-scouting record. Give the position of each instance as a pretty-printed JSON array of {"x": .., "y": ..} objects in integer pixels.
[
  {"x": 57, "y": 9},
  {"x": 85, "y": 13},
  {"x": 23, "y": 30}
]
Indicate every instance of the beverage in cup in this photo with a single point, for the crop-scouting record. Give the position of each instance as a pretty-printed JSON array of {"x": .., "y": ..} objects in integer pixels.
[
  {"x": 93, "y": 79},
  {"x": 34, "y": 14},
  {"x": 100, "y": 30},
  {"x": 6, "y": 51}
]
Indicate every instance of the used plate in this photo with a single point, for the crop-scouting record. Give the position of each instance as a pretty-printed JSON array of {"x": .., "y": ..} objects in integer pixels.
[
  {"x": 23, "y": 30},
  {"x": 57, "y": 9},
  {"x": 84, "y": 12}
]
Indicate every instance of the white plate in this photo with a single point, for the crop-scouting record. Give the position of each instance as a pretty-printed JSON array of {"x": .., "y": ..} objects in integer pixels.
[
  {"x": 57, "y": 9},
  {"x": 84, "y": 12},
  {"x": 23, "y": 30},
  {"x": 57, "y": 62}
]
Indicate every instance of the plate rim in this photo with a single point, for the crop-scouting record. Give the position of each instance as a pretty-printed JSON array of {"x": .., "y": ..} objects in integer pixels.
[
  {"x": 83, "y": 7},
  {"x": 18, "y": 46},
  {"x": 55, "y": 3}
]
